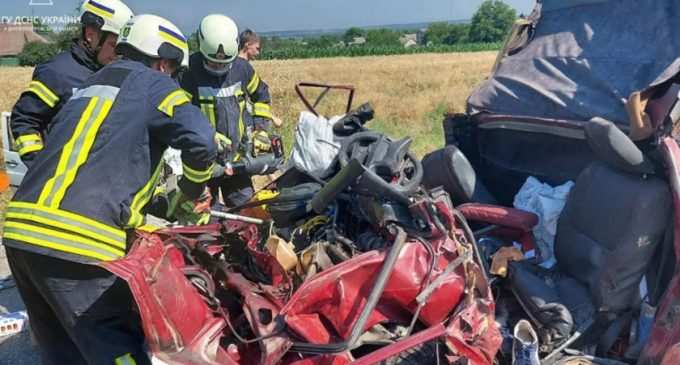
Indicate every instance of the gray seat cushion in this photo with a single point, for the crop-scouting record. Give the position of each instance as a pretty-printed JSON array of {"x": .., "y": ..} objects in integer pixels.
[
  {"x": 557, "y": 302},
  {"x": 607, "y": 235},
  {"x": 609, "y": 230}
]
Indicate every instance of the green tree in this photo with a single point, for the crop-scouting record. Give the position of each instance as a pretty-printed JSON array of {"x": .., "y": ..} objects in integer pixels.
[
  {"x": 352, "y": 33},
  {"x": 492, "y": 21},
  {"x": 35, "y": 53},
  {"x": 40, "y": 28},
  {"x": 325, "y": 41},
  {"x": 62, "y": 40},
  {"x": 458, "y": 33},
  {"x": 444, "y": 33},
  {"x": 193, "y": 42},
  {"x": 277, "y": 43},
  {"x": 436, "y": 33},
  {"x": 382, "y": 37}
]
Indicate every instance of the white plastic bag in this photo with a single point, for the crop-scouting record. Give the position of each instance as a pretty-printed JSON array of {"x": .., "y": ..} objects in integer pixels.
[
  {"x": 547, "y": 203},
  {"x": 173, "y": 158},
  {"x": 315, "y": 146}
]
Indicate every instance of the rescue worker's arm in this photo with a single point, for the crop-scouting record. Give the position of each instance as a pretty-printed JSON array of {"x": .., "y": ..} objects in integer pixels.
[
  {"x": 33, "y": 111},
  {"x": 183, "y": 127},
  {"x": 258, "y": 92}
]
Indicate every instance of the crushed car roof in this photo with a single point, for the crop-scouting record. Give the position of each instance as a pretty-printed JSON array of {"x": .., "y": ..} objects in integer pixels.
[{"x": 578, "y": 59}]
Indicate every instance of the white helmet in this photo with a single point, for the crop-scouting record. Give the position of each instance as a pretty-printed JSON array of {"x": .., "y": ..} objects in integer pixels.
[
  {"x": 218, "y": 33},
  {"x": 156, "y": 38},
  {"x": 107, "y": 15}
]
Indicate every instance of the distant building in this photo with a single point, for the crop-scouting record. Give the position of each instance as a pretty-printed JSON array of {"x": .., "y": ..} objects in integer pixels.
[
  {"x": 409, "y": 40},
  {"x": 410, "y": 44},
  {"x": 13, "y": 37},
  {"x": 421, "y": 35},
  {"x": 357, "y": 41}
]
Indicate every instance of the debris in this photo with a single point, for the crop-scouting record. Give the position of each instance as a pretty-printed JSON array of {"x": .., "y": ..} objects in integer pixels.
[
  {"x": 283, "y": 252},
  {"x": 13, "y": 323},
  {"x": 499, "y": 265},
  {"x": 7, "y": 283}
]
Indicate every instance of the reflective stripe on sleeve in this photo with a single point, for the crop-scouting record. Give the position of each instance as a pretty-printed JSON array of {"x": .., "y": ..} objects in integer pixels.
[
  {"x": 197, "y": 176},
  {"x": 174, "y": 99},
  {"x": 263, "y": 110},
  {"x": 28, "y": 143},
  {"x": 43, "y": 92}
]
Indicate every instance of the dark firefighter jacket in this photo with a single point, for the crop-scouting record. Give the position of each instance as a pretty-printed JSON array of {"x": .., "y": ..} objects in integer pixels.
[
  {"x": 92, "y": 181},
  {"x": 223, "y": 99},
  {"x": 52, "y": 85}
]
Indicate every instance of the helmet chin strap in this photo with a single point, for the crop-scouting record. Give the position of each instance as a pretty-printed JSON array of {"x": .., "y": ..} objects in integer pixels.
[
  {"x": 216, "y": 72},
  {"x": 93, "y": 51}
]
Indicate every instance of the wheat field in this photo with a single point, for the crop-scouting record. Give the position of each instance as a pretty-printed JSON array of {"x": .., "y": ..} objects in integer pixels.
[{"x": 410, "y": 93}]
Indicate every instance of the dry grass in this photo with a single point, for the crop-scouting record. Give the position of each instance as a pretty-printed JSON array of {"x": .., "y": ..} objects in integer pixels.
[
  {"x": 13, "y": 81},
  {"x": 409, "y": 93}
]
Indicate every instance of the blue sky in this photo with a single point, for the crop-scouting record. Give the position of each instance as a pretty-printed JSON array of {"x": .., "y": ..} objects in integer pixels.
[{"x": 272, "y": 15}]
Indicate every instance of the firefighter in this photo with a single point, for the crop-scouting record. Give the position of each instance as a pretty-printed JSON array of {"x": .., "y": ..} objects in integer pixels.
[
  {"x": 54, "y": 81},
  {"x": 87, "y": 192},
  {"x": 221, "y": 84}
]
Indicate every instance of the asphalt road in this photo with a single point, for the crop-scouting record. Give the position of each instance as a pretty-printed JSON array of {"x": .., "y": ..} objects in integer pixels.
[{"x": 16, "y": 349}]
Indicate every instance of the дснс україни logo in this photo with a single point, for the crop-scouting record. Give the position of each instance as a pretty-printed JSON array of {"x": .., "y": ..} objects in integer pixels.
[{"x": 40, "y": 2}]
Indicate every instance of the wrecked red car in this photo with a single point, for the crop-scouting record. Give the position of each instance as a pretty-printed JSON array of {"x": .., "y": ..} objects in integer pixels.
[
  {"x": 384, "y": 258},
  {"x": 363, "y": 265}
]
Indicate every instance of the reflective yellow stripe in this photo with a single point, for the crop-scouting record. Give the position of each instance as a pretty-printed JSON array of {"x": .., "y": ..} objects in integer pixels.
[
  {"x": 28, "y": 138},
  {"x": 28, "y": 149},
  {"x": 98, "y": 10},
  {"x": 212, "y": 114},
  {"x": 174, "y": 99},
  {"x": 61, "y": 241},
  {"x": 142, "y": 198},
  {"x": 125, "y": 360},
  {"x": 174, "y": 41},
  {"x": 263, "y": 110},
  {"x": 253, "y": 84},
  {"x": 208, "y": 111},
  {"x": 59, "y": 223},
  {"x": 75, "y": 152},
  {"x": 66, "y": 152},
  {"x": 44, "y": 93},
  {"x": 83, "y": 153},
  {"x": 197, "y": 176},
  {"x": 241, "y": 123},
  {"x": 207, "y": 103},
  {"x": 28, "y": 143},
  {"x": 69, "y": 218}
]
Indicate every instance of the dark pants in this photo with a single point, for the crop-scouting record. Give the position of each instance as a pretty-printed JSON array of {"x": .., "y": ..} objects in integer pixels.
[
  {"x": 236, "y": 190},
  {"x": 79, "y": 314}
]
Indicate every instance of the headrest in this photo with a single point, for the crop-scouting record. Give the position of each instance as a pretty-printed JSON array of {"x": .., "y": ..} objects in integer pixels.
[{"x": 613, "y": 147}]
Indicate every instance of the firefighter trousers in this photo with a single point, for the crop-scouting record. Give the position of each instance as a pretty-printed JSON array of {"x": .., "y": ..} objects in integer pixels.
[{"x": 78, "y": 313}]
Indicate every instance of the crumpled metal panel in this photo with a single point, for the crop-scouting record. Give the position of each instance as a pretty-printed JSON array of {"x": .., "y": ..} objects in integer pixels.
[
  {"x": 179, "y": 326},
  {"x": 182, "y": 329}
]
